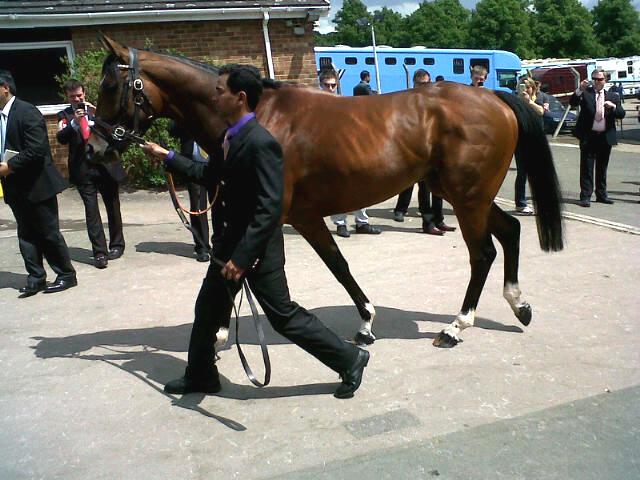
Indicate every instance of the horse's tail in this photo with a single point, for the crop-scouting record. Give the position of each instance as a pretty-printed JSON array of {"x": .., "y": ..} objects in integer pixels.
[{"x": 534, "y": 152}]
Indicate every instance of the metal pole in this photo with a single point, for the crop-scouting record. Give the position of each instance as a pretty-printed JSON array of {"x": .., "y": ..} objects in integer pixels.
[{"x": 375, "y": 58}]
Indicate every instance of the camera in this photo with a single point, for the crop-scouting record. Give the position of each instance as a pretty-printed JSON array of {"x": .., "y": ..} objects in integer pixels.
[
  {"x": 521, "y": 88},
  {"x": 480, "y": 84},
  {"x": 81, "y": 106}
]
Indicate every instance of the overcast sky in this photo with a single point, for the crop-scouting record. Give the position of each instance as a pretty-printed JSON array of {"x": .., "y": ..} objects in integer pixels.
[{"x": 405, "y": 8}]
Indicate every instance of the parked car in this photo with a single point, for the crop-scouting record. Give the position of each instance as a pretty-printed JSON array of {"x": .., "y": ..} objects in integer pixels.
[{"x": 552, "y": 117}]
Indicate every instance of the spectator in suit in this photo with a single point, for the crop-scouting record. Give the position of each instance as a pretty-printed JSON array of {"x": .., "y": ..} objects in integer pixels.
[
  {"x": 363, "y": 88},
  {"x": 31, "y": 183},
  {"x": 198, "y": 195},
  {"x": 430, "y": 205},
  {"x": 328, "y": 79},
  {"x": 596, "y": 130},
  {"x": 91, "y": 178}
]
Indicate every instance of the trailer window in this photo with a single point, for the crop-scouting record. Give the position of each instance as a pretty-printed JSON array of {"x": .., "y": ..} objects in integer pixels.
[
  {"x": 325, "y": 62},
  {"x": 369, "y": 61},
  {"x": 390, "y": 61},
  {"x": 428, "y": 61},
  {"x": 458, "y": 65},
  {"x": 409, "y": 61},
  {"x": 480, "y": 61},
  {"x": 622, "y": 74},
  {"x": 351, "y": 61}
]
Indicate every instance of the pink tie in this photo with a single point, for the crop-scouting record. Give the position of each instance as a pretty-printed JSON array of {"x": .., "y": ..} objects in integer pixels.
[
  {"x": 599, "y": 107},
  {"x": 225, "y": 144},
  {"x": 85, "y": 131}
]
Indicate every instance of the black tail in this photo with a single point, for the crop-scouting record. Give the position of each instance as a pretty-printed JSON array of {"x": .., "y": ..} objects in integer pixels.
[{"x": 534, "y": 151}]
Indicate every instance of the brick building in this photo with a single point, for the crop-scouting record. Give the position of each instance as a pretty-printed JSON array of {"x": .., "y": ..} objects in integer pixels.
[{"x": 36, "y": 38}]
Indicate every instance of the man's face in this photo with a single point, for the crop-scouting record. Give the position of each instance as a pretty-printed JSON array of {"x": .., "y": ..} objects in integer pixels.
[
  {"x": 5, "y": 95},
  {"x": 477, "y": 77},
  {"x": 329, "y": 84},
  {"x": 75, "y": 97},
  {"x": 421, "y": 81},
  {"x": 598, "y": 80},
  {"x": 227, "y": 103}
]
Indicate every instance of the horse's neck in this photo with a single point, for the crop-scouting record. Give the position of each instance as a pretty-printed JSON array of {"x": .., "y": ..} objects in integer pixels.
[{"x": 187, "y": 98}]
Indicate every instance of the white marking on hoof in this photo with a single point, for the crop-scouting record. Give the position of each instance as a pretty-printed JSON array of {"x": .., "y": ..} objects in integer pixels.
[
  {"x": 221, "y": 338},
  {"x": 365, "y": 326},
  {"x": 462, "y": 321},
  {"x": 511, "y": 293}
]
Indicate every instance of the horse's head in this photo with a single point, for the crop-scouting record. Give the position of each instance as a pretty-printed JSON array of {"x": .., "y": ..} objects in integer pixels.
[{"x": 127, "y": 103}]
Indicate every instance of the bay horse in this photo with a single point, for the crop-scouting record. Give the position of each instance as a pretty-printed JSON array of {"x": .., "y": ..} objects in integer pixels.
[{"x": 346, "y": 153}]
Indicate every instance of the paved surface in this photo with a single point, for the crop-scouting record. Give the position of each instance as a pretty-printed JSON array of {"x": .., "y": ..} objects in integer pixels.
[{"x": 82, "y": 371}]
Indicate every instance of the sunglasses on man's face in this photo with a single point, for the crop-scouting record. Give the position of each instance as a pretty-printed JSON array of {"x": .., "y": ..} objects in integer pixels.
[
  {"x": 329, "y": 85},
  {"x": 598, "y": 79}
]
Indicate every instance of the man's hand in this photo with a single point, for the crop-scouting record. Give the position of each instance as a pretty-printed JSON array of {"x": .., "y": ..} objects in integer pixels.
[
  {"x": 4, "y": 169},
  {"x": 545, "y": 106},
  {"x": 231, "y": 272},
  {"x": 584, "y": 84},
  {"x": 609, "y": 104},
  {"x": 154, "y": 151}
]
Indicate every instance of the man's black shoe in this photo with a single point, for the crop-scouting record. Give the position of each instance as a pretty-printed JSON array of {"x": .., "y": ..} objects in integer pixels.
[
  {"x": 368, "y": 229},
  {"x": 184, "y": 385},
  {"x": 60, "y": 284},
  {"x": 352, "y": 378},
  {"x": 202, "y": 256},
  {"x": 342, "y": 231},
  {"x": 31, "y": 288},
  {"x": 398, "y": 216},
  {"x": 100, "y": 261},
  {"x": 605, "y": 200},
  {"x": 584, "y": 203},
  {"x": 445, "y": 228},
  {"x": 115, "y": 253}
]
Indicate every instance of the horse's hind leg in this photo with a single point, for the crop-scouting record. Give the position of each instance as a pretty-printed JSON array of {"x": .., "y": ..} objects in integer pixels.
[
  {"x": 482, "y": 253},
  {"x": 317, "y": 234},
  {"x": 507, "y": 230}
]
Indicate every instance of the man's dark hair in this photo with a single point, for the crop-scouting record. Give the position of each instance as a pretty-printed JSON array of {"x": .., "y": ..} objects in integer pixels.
[
  {"x": 7, "y": 79},
  {"x": 72, "y": 84},
  {"x": 439, "y": 78},
  {"x": 244, "y": 78},
  {"x": 364, "y": 74},
  {"x": 420, "y": 73},
  {"x": 327, "y": 73}
]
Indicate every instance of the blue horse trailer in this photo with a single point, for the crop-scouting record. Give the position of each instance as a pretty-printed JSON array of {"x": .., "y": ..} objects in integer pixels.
[{"x": 398, "y": 64}]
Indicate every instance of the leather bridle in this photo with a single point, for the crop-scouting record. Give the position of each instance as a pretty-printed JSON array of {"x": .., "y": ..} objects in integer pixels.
[{"x": 118, "y": 133}]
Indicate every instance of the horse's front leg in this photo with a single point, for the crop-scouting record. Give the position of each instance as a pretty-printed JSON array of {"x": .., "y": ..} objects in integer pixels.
[
  {"x": 482, "y": 253},
  {"x": 319, "y": 237}
]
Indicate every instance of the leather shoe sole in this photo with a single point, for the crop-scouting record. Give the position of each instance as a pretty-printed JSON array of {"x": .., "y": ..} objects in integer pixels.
[
  {"x": 60, "y": 285},
  {"x": 184, "y": 385},
  {"x": 352, "y": 379}
]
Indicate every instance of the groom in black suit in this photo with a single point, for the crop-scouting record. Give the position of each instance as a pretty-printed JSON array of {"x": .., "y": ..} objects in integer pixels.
[
  {"x": 248, "y": 239},
  {"x": 596, "y": 129},
  {"x": 31, "y": 183}
]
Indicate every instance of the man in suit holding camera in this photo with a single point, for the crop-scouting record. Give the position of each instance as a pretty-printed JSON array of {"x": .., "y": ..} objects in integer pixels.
[
  {"x": 91, "y": 178},
  {"x": 31, "y": 183},
  {"x": 596, "y": 129}
]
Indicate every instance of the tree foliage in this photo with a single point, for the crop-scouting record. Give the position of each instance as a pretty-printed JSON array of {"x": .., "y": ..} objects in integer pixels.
[
  {"x": 617, "y": 26},
  {"x": 529, "y": 28},
  {"x": 503, "y": 25}
]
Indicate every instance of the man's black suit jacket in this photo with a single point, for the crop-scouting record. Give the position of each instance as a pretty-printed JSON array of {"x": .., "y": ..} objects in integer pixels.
[
  {"x": 361, "y": 89},
  {"x": 34, "y": 178},
  {"x": 587, "y": 102},
  {"x": 79, "y": 166},
  {"x": 249, "y": 206}
]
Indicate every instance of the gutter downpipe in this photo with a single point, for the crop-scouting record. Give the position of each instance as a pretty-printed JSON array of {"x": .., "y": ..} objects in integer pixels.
[{"x": 267, "y": 43}]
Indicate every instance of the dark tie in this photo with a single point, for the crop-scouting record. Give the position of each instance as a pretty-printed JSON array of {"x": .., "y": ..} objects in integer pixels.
[{"x": 225, "y": 144}]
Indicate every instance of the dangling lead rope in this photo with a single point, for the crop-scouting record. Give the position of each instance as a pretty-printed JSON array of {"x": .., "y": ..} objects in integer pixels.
[{"x": 255, "y": 317}]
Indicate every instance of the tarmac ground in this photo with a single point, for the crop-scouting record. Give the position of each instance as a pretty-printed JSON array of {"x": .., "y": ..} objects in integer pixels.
[{"x": 82, "y": 371}]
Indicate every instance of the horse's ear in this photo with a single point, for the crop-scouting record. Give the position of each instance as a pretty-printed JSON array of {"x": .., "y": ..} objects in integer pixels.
[{"x": 114, "y": 47}]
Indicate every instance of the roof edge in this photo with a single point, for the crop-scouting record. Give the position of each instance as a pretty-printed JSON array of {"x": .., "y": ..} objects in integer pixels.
[{"x": 154, "y": 16}]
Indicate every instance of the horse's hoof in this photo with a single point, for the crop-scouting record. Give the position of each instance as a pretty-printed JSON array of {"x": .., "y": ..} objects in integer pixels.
[
  {"x": 524, "y": 314},
  {"x": 364, "y": 338},
  {"x": 444, "y": 340}
]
